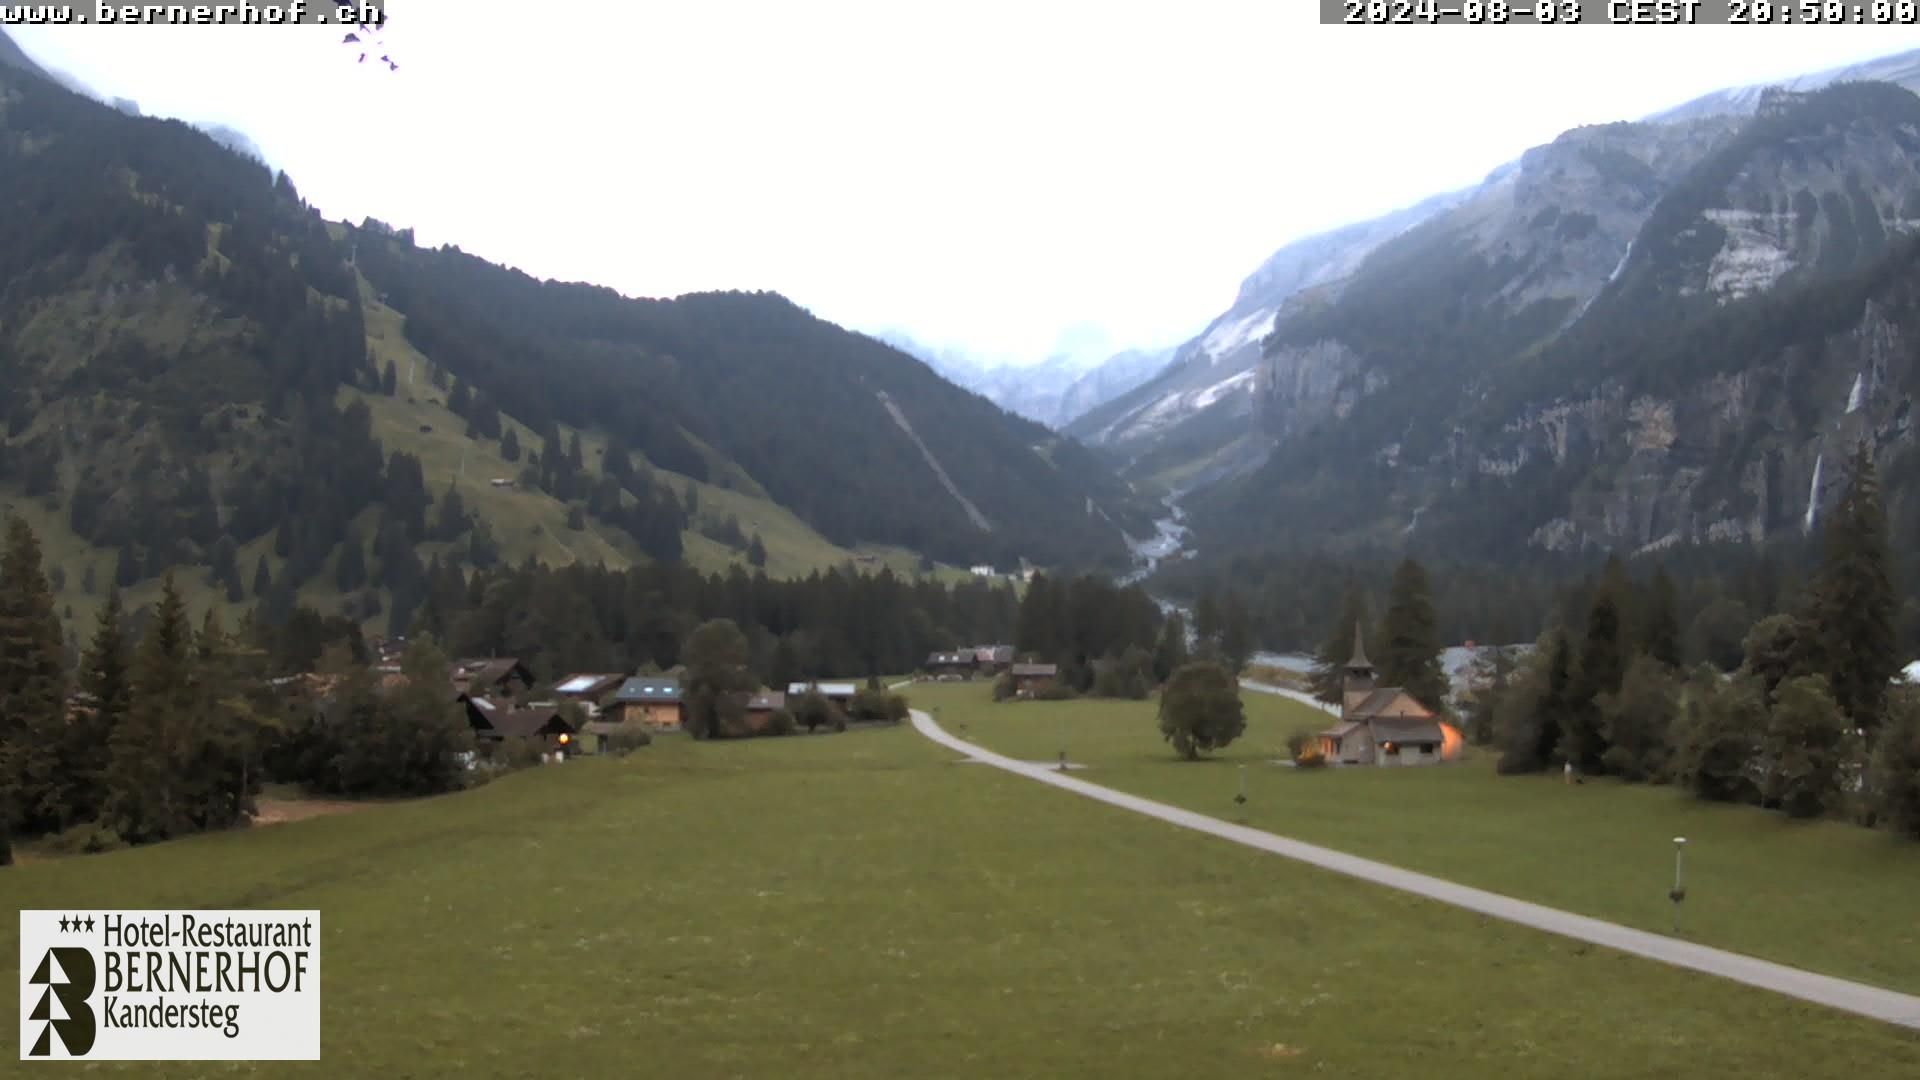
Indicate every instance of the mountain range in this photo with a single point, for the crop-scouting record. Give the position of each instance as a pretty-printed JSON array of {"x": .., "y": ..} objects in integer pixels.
[
  {"x": 1054, "y": 391},
  {"x": 203, "y": 375},
  {"x": 1642, "y": 334}
]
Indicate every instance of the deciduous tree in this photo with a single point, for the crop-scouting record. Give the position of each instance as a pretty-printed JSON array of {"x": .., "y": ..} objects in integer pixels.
[{"x": 1200, "y": 710}]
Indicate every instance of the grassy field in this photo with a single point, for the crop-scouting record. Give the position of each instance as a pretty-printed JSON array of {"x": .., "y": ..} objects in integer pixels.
[
  {"x": 862, "y": 906},
  {"x": 1824, "y": 896}
]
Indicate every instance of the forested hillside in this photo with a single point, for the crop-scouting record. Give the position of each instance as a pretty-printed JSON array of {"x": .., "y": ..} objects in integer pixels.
[{"x": 203, "y": 374}]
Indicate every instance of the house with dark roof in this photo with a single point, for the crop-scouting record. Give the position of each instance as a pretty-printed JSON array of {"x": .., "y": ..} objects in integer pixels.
[
  {"x": 502, "y": 676},
  {"x": 951, "y": 665},
  {"x": 545, "y": 724},
  {"x": 654, "y": 700},
  {"x": 1381, "y": 725},
  {"x": 761, "y": 707},
  {"x": 1029, "y": 679}
]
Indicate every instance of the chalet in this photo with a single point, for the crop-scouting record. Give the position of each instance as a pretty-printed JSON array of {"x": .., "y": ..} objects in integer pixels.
[
  {"x": 504, "y": 676},
  {"x": 992, "y": 659},
  {"x": 951, "y": 665},
  {"x": 1029, "y": 679},
  {"x": 588, "y": 690},
  {"x": 653, "y": 700},
  {"x": 546, "y": 725},
  {"x": 480, "y": 711},
  {"x": 840, "y": 693},
  {"x": 1381, "y": 725},
  {"x": 596, "y": 736},
  {"x": 761, "y": 707}
]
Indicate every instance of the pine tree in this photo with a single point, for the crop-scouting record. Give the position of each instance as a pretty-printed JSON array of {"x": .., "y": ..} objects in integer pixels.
[
  {"x": 149, "y": 751},
  {"x": 1207, "y": 625},
  {"x": 351, "y": 571},
  {"x": 262, "y": 578},
  {"x": 33, "y": 689},
  {"x": 1170, "y": 650},
  {"x": 1602, "y": 664},
  {"x": 225, "y": 733},
  {"x": 1336, "y": 648},
  {"x": 1409, "y": 651},
  {"x": 389, "y": 380},
  {"x": 1236, "y": 634},
  {"x": 510, "y": 445},
  {"x": 756, "y": 552},
  {"x": 1852, "y": 603},
  {"x": 105, "y": 680},
  {"x": 1659, "y": 635}
]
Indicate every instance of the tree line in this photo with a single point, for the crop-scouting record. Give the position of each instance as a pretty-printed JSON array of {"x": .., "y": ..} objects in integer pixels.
[{"x": 1810, "y": 722}]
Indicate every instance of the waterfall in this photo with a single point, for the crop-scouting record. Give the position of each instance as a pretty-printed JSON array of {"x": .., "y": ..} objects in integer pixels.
[
  {"x": 1855, "y": 396},
  {"x": 1813, "y": 492}
]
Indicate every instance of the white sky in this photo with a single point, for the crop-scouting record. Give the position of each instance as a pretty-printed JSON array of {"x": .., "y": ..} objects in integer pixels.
[{"x": 996, "y": 176}]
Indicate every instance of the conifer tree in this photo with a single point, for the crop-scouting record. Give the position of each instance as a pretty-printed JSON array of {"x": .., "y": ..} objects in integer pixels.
[
  {"x": 1409, "y": 650},
  {"x": 33, "y": 691},
  {"x": 1852, "y": 603},
  {"x": 1236, "y": 634},
  {"x": 105, "y": 680},
  {"x": 1207, "y": 624},
  {"x": 149, "y": 751},
  {"x": 1601, "y": 665},
  {"x": 510, "y": 445},
  {"x": 224, "y": 733},
  {"x": 389, "y": 380},
  {"x": 262, "y": 578},
  {"x": 1659, "y": 635},
  {"x": 1170, "y": 650},
  {"x": 1336, "y": 648},
  {"x": 756, "y": 552}
]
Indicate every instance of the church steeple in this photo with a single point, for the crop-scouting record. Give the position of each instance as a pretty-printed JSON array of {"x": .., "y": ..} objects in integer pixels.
[{"x": 1359, "y": 669}]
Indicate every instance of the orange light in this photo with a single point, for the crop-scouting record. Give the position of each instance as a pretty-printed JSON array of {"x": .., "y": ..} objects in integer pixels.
[
  {"x": 565, "y": 738},
  {"x": 1451, "y": 741}
]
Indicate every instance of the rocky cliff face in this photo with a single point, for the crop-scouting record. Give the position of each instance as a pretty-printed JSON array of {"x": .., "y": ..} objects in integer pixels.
[{"x": 1636, "y": 336}]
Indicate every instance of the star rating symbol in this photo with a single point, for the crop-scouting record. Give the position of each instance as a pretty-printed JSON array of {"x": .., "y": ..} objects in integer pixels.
[{"x": 75, "y": 924}]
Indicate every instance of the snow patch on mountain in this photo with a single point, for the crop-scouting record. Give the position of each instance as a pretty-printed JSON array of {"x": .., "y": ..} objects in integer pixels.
[{"x": 1227, "y": 337}]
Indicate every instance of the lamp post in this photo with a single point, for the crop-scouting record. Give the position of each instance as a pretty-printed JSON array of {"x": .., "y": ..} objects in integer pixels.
[
  {"x": 1063, "y": 760},
  {"x": 1679, "y": 892},
  {"x": 1241, "y": 796}
]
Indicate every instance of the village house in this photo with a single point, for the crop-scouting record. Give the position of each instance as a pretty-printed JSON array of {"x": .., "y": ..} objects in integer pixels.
[
  {"x": 545, "y": 725},
  {"x": 653, "y": 700},
  {"x": 992, "y": 659},
  {"x": 588, "y": 690},
  {"x": 761, "y": 707},
  {"x": 1030, "y": 679},
  {"x": 951, "y": 665},
  {"x": 503, "y": 677},
  {"x": 840, "y": 693},
  {"x": 1380, "y": 725}
]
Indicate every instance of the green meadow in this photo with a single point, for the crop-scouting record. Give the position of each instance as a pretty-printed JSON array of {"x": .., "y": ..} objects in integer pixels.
[
  {"x": 862, "y": 905},
  {"x": 1825, "y": 896}
]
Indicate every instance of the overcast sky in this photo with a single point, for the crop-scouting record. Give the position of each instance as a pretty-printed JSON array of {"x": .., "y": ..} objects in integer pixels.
[{"x": 999, "y": 177}]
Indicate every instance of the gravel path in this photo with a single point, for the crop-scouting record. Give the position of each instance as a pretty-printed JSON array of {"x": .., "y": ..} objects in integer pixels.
[{"x": 1853, "y": 997}]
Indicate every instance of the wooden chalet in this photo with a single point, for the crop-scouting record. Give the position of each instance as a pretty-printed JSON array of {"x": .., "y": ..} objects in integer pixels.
[
  {"x": 951, "y": 665},
  {"x": 1029, "y": 679},
  {"x": 588, "y": 691},
  {"x": 760, "y": 708},
  {"x": 840, "y": 693},
  {"x": 654, "y": 700},
  {"x": 499, "y": 677}
]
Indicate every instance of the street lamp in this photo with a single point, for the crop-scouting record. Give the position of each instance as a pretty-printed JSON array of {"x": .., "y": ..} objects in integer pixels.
[
  {"x": 1241, "y": 797},
  {"x": 1679, "y": 891},
  {"x": 1063, "y": 760}
]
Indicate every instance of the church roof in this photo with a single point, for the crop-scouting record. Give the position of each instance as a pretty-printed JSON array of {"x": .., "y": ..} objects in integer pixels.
[
  {"x": 1359, "y": 650},
  {"x": 1396, "y": 729}
]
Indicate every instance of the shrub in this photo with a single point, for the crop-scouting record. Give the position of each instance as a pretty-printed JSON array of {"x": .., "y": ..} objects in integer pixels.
[
  {"x": 1003, "y": 687},
  {"x": 518, "y": 753},
  {"x": 781, "y": 723},
  {"x": 869, "y": 705},
  {"x": 629, "y": 738},
  {"x": 1054, "y": 691},
  {"x": 897, "y": 707},
  {"x": 87, "y": 839}
]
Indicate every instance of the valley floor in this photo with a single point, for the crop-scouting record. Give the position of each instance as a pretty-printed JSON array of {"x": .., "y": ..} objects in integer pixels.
[
  {"x": 862, "y": 906},
  {"x": 1827, "y": 896}
]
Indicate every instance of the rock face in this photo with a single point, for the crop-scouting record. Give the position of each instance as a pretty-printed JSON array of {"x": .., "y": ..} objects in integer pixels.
[{"x": 1639, "y": 335}]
